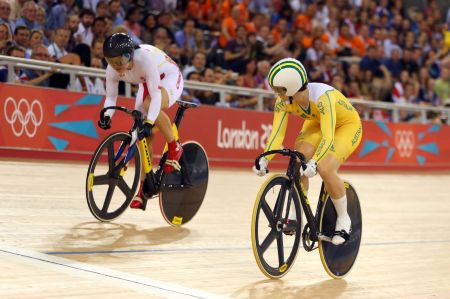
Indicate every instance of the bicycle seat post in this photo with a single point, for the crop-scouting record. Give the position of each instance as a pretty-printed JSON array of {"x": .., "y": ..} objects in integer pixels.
[{"x": 179, "y": 115}]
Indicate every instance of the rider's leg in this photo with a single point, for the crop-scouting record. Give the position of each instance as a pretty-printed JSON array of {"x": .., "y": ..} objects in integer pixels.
[
  {"x": 307, "y": 149},
  {"x": 164, "y": 124},
  {"x": 137, "y": 202},
  {"x": 346, "y": 140},
  {"x": 328, "y": 170}
]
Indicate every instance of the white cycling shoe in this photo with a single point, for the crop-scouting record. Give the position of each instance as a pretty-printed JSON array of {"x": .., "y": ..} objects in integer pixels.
[{"x": 342, "y": 230}]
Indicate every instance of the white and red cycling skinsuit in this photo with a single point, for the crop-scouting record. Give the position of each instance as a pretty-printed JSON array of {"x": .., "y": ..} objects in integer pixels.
[{"x": 152, "y": 69}]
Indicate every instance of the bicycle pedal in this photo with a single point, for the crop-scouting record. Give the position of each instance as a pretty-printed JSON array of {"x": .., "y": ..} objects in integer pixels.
[{"x": 289, "y": 228}]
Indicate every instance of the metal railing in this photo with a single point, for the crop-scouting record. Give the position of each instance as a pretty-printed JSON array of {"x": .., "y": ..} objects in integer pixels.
[{"x": 74, "y": 71}]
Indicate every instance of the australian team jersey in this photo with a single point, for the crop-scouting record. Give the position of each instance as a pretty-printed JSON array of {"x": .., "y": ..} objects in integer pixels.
[
  {"x": 150, "y": 66},
  {"x": 327, "y": 107}
]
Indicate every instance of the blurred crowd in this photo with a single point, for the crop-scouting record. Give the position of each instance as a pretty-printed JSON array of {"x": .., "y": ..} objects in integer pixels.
[{"x": 375, "y": 50}]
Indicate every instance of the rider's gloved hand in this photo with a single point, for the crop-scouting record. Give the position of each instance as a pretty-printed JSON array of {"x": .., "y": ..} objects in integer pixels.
[
  {"x": 145, "y": 130},
  {"x": 105, "y": 122},
  {"x": 263, "y": 162},
  {"x": 310, "y": 170}
]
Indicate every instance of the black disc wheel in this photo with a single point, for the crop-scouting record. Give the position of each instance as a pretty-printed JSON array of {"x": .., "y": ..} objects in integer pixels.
[
  {"x": 339, "y": 259},
  {"x": 111, "y": 184},
  {"x": 274, "y": 249},
  {"x": 182, "y": 192}
]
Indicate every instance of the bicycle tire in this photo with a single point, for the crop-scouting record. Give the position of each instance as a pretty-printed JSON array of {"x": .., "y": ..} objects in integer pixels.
[
  {"x": 119, "y": 203},
  {"x": 180, "y": 201},
  {"x": 283, "y": 265},
  {"x": 338, "y": 260}
]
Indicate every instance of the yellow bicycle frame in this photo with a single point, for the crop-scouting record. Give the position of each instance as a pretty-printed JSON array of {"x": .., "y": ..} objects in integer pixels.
[{"x": 147, "y": 162}]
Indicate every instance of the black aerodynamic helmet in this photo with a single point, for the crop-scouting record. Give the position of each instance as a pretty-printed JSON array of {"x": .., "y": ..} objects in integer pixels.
[{"x": 119, "y": 46}]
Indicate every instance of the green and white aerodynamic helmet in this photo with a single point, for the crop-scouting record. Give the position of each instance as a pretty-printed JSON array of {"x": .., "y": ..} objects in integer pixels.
[{"x": 287, "y": 76}]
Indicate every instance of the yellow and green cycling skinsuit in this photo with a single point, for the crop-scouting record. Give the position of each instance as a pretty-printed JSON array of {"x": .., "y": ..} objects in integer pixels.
[{"x": 332, "y": 125}]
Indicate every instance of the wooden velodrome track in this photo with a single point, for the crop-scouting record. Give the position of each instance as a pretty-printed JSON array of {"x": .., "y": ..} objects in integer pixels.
[{"x": 52, "y": 247}]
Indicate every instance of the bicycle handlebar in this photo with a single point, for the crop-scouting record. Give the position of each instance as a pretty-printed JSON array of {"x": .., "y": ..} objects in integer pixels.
[
  {"x": 136, "y": 114},
  {"x": 283, "y": 152}
]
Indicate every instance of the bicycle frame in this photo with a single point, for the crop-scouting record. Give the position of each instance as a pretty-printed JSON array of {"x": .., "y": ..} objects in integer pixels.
[
  {"x": 146, "y": 160},
  {"x": 293, "y": 173}
]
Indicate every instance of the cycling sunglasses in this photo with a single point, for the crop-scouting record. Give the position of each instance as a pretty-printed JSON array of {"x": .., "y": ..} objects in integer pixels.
[{"x": 118, "y": 61}]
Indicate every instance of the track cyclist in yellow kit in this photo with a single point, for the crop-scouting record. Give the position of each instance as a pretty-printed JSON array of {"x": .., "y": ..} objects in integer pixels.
[{"x": 331, "y": 132}]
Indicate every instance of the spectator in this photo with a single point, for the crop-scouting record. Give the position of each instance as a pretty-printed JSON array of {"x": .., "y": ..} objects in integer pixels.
[
  {"x": 97, "y": 51},
  {"x": 90, "y": 4},
  {"x": 13, "y": 51},
  {"x": 332, "y": 34},
  {"x": 57, "y": 49},
  {"x": 200, "y": 42},
  {"x": 16, "y": 9},
  {"x": 198, "y": 64},
  {"x": 166, "y": 20},
  {"x": 256, "y": 47},
  {"x": 161, "y": 38},
  {"x": 240, "y": 101},
  {"x": 91, "y": 85},
  {"x": 262, "y": 71},
  {"x": 132, "y": 18},
  {"x": 28, "y": 16},
  {"x": 394, "y": 63},
  {"x": 108, "y": 26},
  {"x": 35, "y": 77},
  {"x": 208, "y": 97},
  {"x": 185, "y": 38},
  {"x": 229, "y": 26},
  {"x": 174, "y": 52},
  {"x": 99, "y": 28},
  {"x": 398, "y": 92},
  {"x": 41, "y": 18},
  {"x": 363, "y": 40},
  {"x": 248, "y": 77},
  {"x": 314, "y": 55},
  {"x": 84, "y": 33},
  {"x": 36, "y": 38},
  {"x": 5, "y": 10},
  {"x": 427, "y": 95},
  {"x": 237, "y": 51},
  {"x": 116, "y": 12},
  {"x": 408, "y": 62},
  {"x": 255, "y": 24},
  {"x": 59, "y": 13},
  {"x": 345, "y": 42},
  {"x": 442, "y": 86},
  {"x": 5, "y": 38},
  {"x": 102, "y": 9},
  {"x": 189, "y": 95},
  {"x": 72, "y": 24},
  {"x": 147, "y": 25},
  {"x": 22, "y": 36}
]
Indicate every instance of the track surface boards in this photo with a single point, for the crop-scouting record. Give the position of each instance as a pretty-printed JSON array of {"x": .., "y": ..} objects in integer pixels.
[{"x": 51, "y": 246}]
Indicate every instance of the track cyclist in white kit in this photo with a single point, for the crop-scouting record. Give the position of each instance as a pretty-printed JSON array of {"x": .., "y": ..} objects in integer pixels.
[{"x": 160, "y": 85}]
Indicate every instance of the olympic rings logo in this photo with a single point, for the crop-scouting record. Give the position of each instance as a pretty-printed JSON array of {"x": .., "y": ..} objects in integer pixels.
[
  {"x": 404, "y": 142},
  {"x": 23, "y": 117}
]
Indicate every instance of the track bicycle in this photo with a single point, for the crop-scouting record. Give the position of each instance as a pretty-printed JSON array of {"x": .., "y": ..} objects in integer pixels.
[
  {"x": 181, "y": 193},
  {"x": 275, "y": 245}
]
